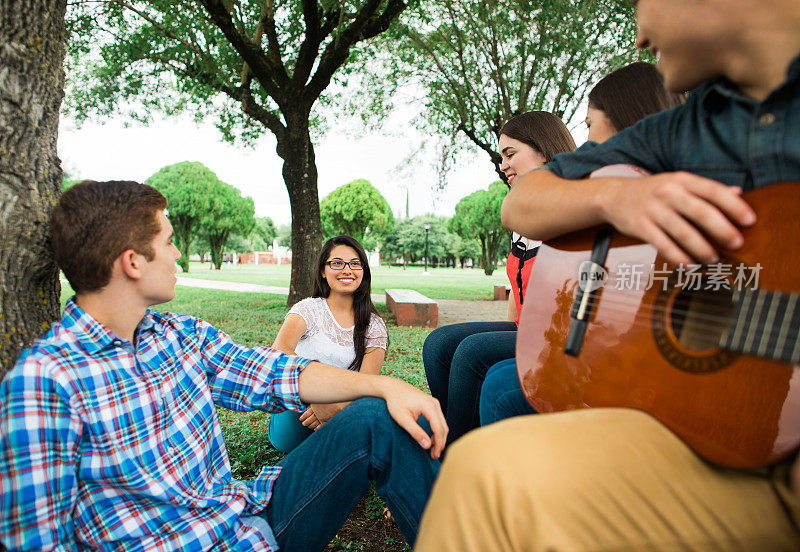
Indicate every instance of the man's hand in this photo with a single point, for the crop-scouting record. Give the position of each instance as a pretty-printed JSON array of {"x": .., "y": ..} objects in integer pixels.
[
  {"x": 682, "y": 215},
  {"x": 320, "y": 383},
  {"x": 406, "y": 404}
]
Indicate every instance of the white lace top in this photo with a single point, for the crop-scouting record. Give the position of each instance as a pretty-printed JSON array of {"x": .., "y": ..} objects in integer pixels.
[{"x": 325, "y": 340}]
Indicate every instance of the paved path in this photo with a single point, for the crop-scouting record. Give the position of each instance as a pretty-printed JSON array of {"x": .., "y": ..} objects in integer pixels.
[{"x": 450, "y": 310}]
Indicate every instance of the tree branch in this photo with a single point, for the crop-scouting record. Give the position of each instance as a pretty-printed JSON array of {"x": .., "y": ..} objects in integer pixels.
[
  {"x": 269, "y": 74},
  {"x": 337, "y": 51}
]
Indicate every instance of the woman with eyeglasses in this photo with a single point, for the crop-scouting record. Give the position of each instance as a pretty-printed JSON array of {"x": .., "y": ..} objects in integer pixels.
[{"x": 337, "y": 325}]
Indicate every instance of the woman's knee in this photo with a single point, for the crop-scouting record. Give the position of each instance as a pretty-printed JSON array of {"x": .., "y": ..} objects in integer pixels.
[
  {"x": 479, "y": 352},
  {"x": 285, "y": 431},
  {"x": 440, "y": 343}
]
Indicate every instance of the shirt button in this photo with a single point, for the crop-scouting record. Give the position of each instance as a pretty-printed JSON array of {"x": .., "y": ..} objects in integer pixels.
[
  {"x": 117, "y": 343},
  {"x": 766, "y": 119}
]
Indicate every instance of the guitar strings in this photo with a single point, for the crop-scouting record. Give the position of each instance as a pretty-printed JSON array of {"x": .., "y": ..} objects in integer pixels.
[{"x": 619, "y": 306}]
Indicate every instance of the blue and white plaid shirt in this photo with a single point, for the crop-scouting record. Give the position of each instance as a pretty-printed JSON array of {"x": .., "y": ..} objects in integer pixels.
[{"x": 107, "y": 444}]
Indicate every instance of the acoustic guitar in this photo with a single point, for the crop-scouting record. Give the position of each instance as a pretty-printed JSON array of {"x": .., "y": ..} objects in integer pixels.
[{"x": 709, "y": 351}]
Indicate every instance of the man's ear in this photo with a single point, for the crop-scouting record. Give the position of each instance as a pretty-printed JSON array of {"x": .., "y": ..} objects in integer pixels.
[{"x": 129, "y": 263}]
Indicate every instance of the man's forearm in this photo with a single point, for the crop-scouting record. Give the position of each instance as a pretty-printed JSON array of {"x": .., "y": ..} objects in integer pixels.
[
  {"x": 320, "y": 383},
  {"x": 542, "y": 205}
]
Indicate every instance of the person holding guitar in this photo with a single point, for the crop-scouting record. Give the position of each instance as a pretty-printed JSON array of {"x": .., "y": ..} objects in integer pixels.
[{"x": 619, "y": 478}]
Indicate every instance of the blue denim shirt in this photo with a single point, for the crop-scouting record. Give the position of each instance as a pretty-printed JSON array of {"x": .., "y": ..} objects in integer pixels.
[{"x": 718, "y": 133}]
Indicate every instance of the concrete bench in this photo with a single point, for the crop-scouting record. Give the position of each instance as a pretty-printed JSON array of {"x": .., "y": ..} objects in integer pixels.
[
  {"x": 411, "y": 308},
  {"x": 501, "y": 292}
]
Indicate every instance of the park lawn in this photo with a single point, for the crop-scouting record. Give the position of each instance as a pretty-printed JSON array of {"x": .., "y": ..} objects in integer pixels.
[
  {"x": 253, "y": 319},
  {"x": 469, "y": 284}
]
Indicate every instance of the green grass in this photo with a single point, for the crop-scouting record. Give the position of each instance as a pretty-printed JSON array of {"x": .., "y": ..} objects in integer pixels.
[{"x": 442, "y": 283}]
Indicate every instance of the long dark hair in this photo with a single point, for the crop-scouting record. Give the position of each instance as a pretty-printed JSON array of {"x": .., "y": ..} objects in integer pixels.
[
  {"x": 631, "y": 93},
  {"x": 542, "y": 131},
  {"x": 363, "y": 309}
]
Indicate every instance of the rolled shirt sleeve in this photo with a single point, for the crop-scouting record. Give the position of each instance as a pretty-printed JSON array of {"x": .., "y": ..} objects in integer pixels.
[
  {"x": 646, "y": 145},
  {"x": 243, "y": 378}
]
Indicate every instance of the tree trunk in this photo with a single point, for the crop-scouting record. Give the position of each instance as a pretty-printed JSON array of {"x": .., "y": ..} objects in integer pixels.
[
  {"x": 300, "y": 176},
  {"x": 217, "y": 243},
  {"x": 32, "y": 47}
]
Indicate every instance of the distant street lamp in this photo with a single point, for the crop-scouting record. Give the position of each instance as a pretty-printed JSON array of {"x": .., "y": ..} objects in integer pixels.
[{"x": 427, "y": 227}]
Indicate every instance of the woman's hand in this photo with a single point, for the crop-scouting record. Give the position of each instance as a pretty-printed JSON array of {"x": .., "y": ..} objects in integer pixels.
[{"x": 317, "y": 414}]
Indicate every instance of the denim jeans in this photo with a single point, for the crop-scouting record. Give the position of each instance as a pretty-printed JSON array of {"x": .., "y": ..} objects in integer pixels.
[
  {"x": 456, "y": 359},
  {"x": 325, "y": 476},
  {"x": 501, "y": 394},
  {"x": 286, "y": 431}
]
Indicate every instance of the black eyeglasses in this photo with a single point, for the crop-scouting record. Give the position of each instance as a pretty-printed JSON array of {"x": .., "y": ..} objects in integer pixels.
[{"x": 338, "y": 264}]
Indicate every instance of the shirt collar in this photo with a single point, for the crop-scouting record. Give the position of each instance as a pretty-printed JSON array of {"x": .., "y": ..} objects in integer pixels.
[
  {"x": 716, "y": 91},
  {"x": 92, "y": 333}
]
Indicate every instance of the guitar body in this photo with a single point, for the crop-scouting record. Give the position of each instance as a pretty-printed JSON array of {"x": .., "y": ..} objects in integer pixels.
[{"x": 657, "y": 350}]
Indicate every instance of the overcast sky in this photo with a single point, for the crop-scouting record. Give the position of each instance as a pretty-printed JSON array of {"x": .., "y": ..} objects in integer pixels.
[{"x": 112, "y": 151}]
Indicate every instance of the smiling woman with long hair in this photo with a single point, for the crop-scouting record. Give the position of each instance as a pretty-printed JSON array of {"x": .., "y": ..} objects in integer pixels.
[
  {"x": 337, "y": 325},
  {"x": 457, "y": 356}
]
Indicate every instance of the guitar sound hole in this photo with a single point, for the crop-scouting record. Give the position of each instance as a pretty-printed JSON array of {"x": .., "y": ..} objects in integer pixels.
[{"x": 699, "y": 317}]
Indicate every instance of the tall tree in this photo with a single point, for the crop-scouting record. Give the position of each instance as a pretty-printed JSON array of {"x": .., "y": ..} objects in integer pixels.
[
  {"x": 230, "y": 213},
  {"x": 191, "y": 190},
  {"x": 478, "y": 215},
  {"x": 257, "y": 65},
  {"x": 31, "y": 87},
  {"x": 265, "y": 231},
  {"x": 359, "y": 210},
  {"x": 480, "y": 62},
  {"x": 407, "y": 240}
]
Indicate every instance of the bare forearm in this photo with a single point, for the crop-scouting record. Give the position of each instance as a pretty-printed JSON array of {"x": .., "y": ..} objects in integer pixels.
[
  {"x": 542, "y": 205},
  {"x": 512, "y": 309},
  {"x": 320, "y": 383}
]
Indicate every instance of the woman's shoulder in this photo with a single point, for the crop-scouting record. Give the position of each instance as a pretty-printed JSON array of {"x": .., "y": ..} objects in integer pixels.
[
  {"x": 308, "y": 308},
  {"x": 376, "y": 325}
]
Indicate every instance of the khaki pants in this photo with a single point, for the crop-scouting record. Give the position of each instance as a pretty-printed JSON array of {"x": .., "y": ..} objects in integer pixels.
[{"x": 597, "y": 479}]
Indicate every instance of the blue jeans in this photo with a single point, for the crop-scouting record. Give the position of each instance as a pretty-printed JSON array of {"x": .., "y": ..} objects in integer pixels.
[
  {"x": 285, "y": 430},
  {"x": 325, "y": 476},
  {"x": 501, "y": 394},
  {"x": 456, "y": 359}
]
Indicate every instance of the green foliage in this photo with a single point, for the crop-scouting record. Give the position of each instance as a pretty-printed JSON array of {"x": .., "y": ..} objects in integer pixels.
[
  {"x": 67, "y": 184},
  {"x": 480, "y": 62},
  {"x": 407, "y": 241},
  {"x": 265, "y": 231},
  {"x": 285, "y": 236},
  {"x": 356, "y": 209},
  {"x": 478, "y": 214},
  {"x": 229, "y": 213},
  {"x": 190, "y": 189},
  {"x": 248, "y": 66}
]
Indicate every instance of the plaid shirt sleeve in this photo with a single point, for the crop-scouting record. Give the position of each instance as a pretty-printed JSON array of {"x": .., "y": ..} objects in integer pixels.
[
  {"x": 243, "y": 378},
  {"x": 39, "y": 444}
]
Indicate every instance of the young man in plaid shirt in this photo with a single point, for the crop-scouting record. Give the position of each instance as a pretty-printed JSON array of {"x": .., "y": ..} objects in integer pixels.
[{"x": 109, "y": 435}]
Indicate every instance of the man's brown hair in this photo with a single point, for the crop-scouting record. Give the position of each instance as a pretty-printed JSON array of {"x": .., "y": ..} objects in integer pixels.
[{"x": 94, "y": 222}]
